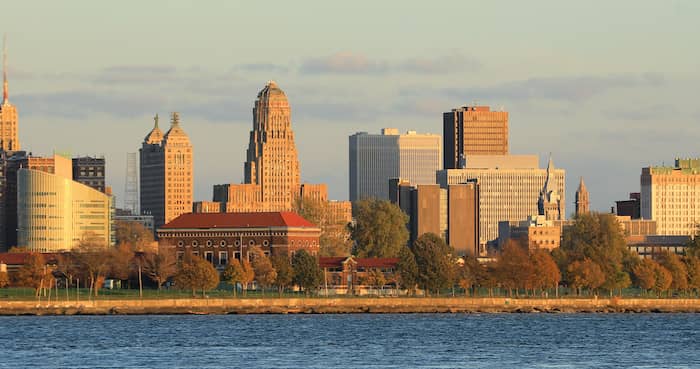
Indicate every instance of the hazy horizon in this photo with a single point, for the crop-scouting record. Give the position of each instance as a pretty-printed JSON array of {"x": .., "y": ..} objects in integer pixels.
[{"x": 606, "y": 88}]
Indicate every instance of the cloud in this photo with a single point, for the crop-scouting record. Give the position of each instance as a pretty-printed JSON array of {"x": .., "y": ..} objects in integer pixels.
[
  {"x": 140, "y": 74},
  {"x": 567, "y": 88},
  {"x": 642, "y": 113},
  {"x": 336, "y": 111},
  {"x": 343, "y": 63},
  {"x": 262, "y": 67},
  {"x": 354, "y": 63},
  {"x": 81, "y": 104},
  {"x": 443, "y": 64}
]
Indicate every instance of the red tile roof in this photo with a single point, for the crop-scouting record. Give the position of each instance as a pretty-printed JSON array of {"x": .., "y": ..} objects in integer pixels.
[
  {"x": 332, "y": 262},
  {"x": 238, "y": 220}
]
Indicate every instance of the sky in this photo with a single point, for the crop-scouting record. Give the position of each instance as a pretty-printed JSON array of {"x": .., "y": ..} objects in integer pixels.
[{"x": 605, "y": 87}]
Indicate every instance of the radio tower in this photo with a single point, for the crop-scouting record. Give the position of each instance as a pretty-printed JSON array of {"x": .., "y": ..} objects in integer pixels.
[{"x": 131, "y": 189}]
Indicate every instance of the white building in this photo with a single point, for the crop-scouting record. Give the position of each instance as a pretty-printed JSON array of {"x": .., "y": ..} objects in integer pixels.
[
  {"x": 509, "y": 188},
  {"x": 376, "y": 158}
]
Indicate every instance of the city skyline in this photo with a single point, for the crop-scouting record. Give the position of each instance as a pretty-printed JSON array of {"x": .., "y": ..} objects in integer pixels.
[{"x": 604, "y": 113}]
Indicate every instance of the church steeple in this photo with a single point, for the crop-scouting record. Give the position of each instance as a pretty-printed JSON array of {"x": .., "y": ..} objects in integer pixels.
[
  {"x": 549, "y": 203},
  {"x": 582, "y": 200},
  {"x": 5, "y": 89}
]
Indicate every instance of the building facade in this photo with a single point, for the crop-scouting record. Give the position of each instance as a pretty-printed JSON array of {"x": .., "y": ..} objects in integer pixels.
[
  {"x": 631, "y": 208},
  {"x": 451, "y": 213},
  {"x": 536, "y": 232},
  {"x": 350, "y": 275},
  {"x": 473, "y": 130},
  {"x": 55, "y": 213},
  {"x": 374, "y": 159},
  {"x": 9, "y": 124},
  {"x": 671, "y": 197},
  {"x": 90, "y": 171},
  {"x": 509, "y": 188},
  {"x": 166, "y": 173},
  {"x": 220, "y": 237}
]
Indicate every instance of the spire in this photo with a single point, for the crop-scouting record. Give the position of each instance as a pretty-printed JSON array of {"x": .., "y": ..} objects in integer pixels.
[
  {"x": 5, "y": 91},
  {"x": 581, "y": 186},
  {"x": 155, "y": 119},
  {"x": 174, "y": 119}
]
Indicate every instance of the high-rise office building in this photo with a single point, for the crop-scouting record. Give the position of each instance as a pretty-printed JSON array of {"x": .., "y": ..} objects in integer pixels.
[
  {"x": 166, "y": 178},
  {"x": 375, "y": 159},
  {"x": 451, "y": 213},
  {"x": 671, "y": 197},
  {"x": 55, "y": 213},
  {"x": 9, "y": 126},
  {"x": 473, "y": 130},
  {"x": 90, "y": 171},
  {"x": 582, "y": 200},
  {"x": 510, "y": 187}
]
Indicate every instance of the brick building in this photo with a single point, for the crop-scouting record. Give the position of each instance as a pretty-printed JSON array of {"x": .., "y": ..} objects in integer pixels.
[
  {"x": 220, "y": 237},
  {"x": 348, "y": 274}
]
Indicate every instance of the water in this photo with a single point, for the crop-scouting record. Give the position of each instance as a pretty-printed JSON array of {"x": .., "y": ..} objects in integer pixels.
[{"x": 352, "y": 341}]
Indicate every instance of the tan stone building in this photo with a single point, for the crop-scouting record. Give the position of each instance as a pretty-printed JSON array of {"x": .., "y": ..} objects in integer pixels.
[
  {"x": 473, "y": 130},
  {"x": 671, "y": 197},
  {"x": 9, "y": 126},
  {"x": 536, "y": 232},
  {"x": 166, "y": 174}
]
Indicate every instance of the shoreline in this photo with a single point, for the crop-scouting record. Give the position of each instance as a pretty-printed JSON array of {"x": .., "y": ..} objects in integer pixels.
[{"x": 349, "y": 306}]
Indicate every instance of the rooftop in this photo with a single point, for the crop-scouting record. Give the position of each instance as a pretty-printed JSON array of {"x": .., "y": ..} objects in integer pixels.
[{"x": 238, "y": 220}]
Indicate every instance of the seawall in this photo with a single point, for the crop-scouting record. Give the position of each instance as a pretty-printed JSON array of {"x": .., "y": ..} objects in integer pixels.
[{"x": 348, "y": 306}]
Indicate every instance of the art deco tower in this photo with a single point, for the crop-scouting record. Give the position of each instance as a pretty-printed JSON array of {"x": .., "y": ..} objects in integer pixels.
[
  {"x": 549, "y": 203},
  {"x": 9, "y": 130},
  {"x": 272, "y": 161},
  {"x": 166, "y": 172},
  {"x": 582, "y": 201}
]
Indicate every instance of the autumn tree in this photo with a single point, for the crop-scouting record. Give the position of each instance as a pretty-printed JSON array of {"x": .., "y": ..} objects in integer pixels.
[
  {"x": 239, "y": 272},
  {"x": 645, "y": 274},
  {"x": 33, "y": 273},
  {"x": 513, "y": 268},
  {"x": 585, "y": 274},
  {"x": 120, "y": 262},
  {"x": 375, "y": 278},
  {"x": 693, "y": 267},
  {"x": 4, "y": 279},
  {"x": 435, "y": 262},
  {"x": 663, "y": 280},
  {"x": 265, "y": 273},
  {"x": 195, "y": 274},
  {"x": 134, "y": 235},
  {"x": 678, "y": 270},
  {"x": 470, "y": 273},
  {"x": 160, "y": 266},
  {"x": 307, "y": 273},
  {"x": 94, "y": 259},
  {"x": 379, "y": 229},
  {"x": 600, "y": 238},
  {"x": 407, "y": 270},
  {"x": 285, "y": 273},
  {"x": 546, "y": 273}
]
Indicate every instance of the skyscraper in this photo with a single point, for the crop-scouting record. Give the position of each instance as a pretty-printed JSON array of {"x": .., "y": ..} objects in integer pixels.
[
  {"x": 374, "y": 159},
  {"x": 582, "y": 201},
  {"x": 272, "y": 161},
  {"x": 166, "y": 164},
  {"x": 90, "y": 171},
  {"x": 9, "y": 127},
  {"x": 473, "y": 130}
]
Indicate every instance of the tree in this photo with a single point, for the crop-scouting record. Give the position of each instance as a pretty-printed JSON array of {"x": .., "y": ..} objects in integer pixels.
[
  {"x": 334, "y": 239},
  {"x": 307, "y": 273},
  {"x": 585, "y": 274},
  {"x": 407, "y": 269},
  {"x": 435, "y": 262},
  {"x": 239, "y": 272},
  {"x": 33, "y": 273},
  {"x": 693, "y": 267},
  {"x": 470, "y": 273},
  {"x": 600, "y": 238},
  {"x": 375, "y": 278},
  {"x": 663, "y": 280},
  {"x": 645, "y": 274},
  {"x": 93, "y": 258},
  {"x": 134, "y": 235},
  {"x": 160, "y": 266},
  {"x": 120, "y": 259},
  {"x": 379, "y": 230},
  {"x": 545, "y": 271},
  {"x": 678, "y": 270},
  {"x": 513, "y": 268},
  {"x": 265, "y": 273},
  {"x": 196, "y": 273},
  {"x": 285, "y": 273}
]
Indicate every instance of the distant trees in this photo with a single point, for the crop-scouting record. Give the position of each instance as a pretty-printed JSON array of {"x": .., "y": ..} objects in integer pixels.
[
  {"x": 585, "y": 274},
  {"x": 335, "y": 238},
  {"x": 285, "y": 272},
  {"x": 34, "y": 273},
  {"x": 265, "y": 273},
  {"x": 407, "y": 270},
  {"x": 159, "y": 267},
  {"x": 435, "y": 261},
  {"x": 4, "y": 279},
  {"x": 379, "y": 229},
  {"x": 94, "y": 260},
  {"x": 239, "y": 272}
]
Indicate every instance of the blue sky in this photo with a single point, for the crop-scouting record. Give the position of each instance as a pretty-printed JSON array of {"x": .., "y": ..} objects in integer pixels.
[{"x": 607, "y": 87}]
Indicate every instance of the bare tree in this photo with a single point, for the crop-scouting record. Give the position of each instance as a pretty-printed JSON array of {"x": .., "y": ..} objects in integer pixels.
[{"x": 160, "y": 266}]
